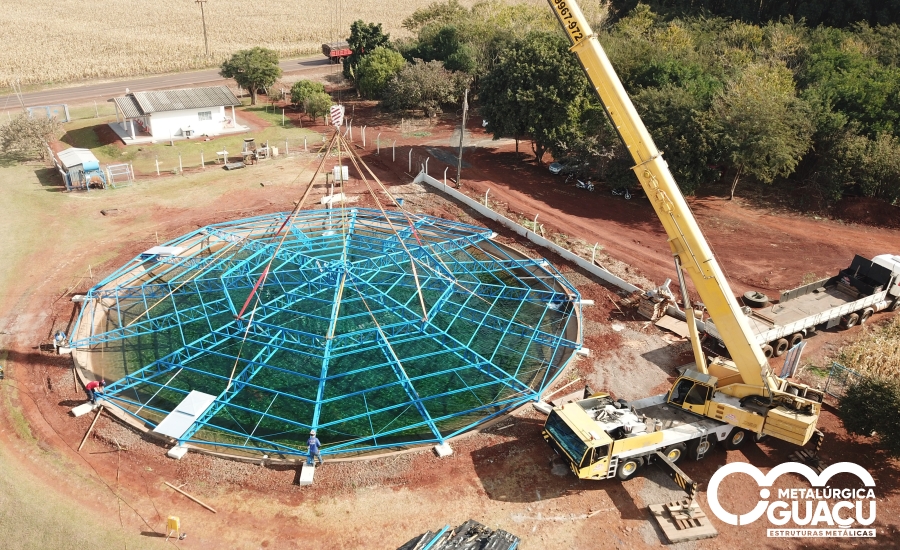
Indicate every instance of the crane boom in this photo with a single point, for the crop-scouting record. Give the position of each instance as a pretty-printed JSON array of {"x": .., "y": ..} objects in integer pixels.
[
  {"x": 685, "y": 237},
  {"x": 742, "y": 392}
]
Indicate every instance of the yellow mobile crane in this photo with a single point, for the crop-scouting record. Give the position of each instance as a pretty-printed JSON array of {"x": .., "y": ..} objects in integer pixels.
[{"x": 724, "y": 401}]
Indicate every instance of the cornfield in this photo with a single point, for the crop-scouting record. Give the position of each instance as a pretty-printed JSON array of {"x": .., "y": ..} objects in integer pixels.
[
  {"x": 876, "y": 352},
  {"x": 72, "y": 40}
]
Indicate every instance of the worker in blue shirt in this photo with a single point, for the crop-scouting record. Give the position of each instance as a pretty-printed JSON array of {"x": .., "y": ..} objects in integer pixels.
[{"x": 314, "y": 445}]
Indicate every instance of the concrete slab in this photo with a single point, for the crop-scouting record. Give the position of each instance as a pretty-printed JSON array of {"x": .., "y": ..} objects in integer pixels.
[
  {"x": 443, "y": 450},
  {"x": 682, "y": 521},
  {"x": 177, "y": 452},
  {"x": 307, "y": 473},
  {"x": 83, "y": 409}
]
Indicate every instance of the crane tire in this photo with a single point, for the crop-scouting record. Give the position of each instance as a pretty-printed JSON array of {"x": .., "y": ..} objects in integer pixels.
[
  {"x": 796, "y": 338},
  {"x": 768, "y": 351},
  {"x": 781, "y": 346},
  {"x": 755, "y": 299},
  {"x": 850, "y": 321},
  {"x": 865, "y": 315},
  {"x": 735, "y": 439},
  {"x": 674, "y": 452},
  {"x": 629, "y": 467}
]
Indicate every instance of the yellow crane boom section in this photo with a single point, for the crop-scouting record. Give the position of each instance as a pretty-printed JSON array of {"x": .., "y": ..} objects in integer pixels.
[{"x": 685, "y": 237}]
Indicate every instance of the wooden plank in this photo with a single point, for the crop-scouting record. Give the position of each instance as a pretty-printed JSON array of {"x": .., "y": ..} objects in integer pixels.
[
  {"x": 88, "y": 432},
  {"x": 198, "y": 501}
]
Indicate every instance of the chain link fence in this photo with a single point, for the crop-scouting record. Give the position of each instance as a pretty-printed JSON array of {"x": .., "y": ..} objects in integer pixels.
[{"x": 839, "y": 379}]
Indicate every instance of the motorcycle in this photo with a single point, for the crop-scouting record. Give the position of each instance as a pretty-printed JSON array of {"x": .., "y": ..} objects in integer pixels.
[
  {"x": 622, "y": 192},
  {"x": 581, "y": 184}
]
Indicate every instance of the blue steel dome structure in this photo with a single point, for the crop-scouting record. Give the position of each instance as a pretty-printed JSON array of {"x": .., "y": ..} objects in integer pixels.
[{"x": 378, "y": 329}]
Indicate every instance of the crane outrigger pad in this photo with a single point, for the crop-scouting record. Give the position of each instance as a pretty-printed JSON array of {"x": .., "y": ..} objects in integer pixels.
[{"x": 682, "y": 521}]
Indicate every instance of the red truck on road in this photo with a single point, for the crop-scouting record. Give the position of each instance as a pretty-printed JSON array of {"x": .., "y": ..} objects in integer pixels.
[{"x": 336, "y": 51}]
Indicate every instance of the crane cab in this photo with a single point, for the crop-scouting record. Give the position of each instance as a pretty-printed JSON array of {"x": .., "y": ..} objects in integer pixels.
[{"x": 693, "y": 391}]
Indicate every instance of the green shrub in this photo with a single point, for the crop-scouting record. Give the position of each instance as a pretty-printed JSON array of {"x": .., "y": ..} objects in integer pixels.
[{"x": 871, "y": 407}]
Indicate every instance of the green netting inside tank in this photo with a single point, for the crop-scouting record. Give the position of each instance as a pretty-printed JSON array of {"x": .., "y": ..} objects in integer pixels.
[{"x": 376, "y": 330}]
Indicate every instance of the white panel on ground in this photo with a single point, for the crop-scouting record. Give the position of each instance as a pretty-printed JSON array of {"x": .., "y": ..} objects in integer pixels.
[
  {"x": 177, "y": 452},
  {"x": 443, "y": 450},
  {"x": 82, "y": 409},
  {"x": 543, "y": 407},
  {"x": 185, "y": 414},
  {"x": 306, "y": 475}
]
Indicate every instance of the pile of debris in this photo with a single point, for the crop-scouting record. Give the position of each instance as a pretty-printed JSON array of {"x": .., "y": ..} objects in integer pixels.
[{"x": 471, "y": 535}]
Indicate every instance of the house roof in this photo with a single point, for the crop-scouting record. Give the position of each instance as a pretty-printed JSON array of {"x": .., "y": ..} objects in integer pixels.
[
  {"x": 76, "y": 157},
  {"x": 144, "y": 103}
]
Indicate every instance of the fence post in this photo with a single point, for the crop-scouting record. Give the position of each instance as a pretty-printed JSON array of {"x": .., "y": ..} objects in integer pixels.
[
  {"x": 305, "y": 149},
  {"x": 378, "y": 144},
  {"x": 426, "y": 165},
  {"x": 394, "y": 151},
  {"x": 202, "y": 161},
  {"x": 364, "y": 135},
  {"x": 410, "y": 160},
  {"x": 180, "y": 167},
  {"x": 445, "y": 178},
  {"x": 282, "y": 115},
  {"x": 96, "y": 110},
  {"x": 157, "y": 165},
  {"x": 131, "y": 169}
]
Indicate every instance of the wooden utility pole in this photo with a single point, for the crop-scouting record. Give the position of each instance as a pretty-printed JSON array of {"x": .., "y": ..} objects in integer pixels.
[
  {"x": 203, "y": 16},
  {"x": 462, "y": 135}
]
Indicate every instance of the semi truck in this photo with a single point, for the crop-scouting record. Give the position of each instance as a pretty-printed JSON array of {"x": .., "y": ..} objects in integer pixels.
[
  {"x": 336, "y": 51},
  {"x": 849, "y": 298},
  {"x": 722, "y": 400}
]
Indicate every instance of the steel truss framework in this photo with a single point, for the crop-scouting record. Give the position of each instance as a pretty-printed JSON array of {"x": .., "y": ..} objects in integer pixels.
[{"x": 372, "y": 342}]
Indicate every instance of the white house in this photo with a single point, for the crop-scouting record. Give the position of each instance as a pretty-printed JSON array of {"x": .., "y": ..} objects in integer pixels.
[{"x": 143, "y": 117}]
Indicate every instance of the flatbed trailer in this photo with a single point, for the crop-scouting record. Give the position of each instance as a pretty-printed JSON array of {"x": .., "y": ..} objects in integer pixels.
[{"x": 851, "y": 297}]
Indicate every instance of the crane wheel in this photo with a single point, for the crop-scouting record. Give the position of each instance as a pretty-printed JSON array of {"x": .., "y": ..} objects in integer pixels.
[
  {"x": 850, "y": 320},
  {"x": 629, "y": 467},
  {"x": 865, "y": 315},
  {"x": 735, "y": 439},
  {"x": 674, "y": 452},
  {"x": 796, "y": 338},
  {"x": 768, "y": 351},
  {"x": 781, "y": 346},
  {"x": 699, "y": 449}
]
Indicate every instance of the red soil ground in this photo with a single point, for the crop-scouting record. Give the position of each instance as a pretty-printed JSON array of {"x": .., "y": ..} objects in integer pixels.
[{"x": 499, "y": 476}]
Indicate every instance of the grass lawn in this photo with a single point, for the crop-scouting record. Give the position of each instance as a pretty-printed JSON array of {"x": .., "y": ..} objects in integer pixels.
[{"x": 82, "y": 133}]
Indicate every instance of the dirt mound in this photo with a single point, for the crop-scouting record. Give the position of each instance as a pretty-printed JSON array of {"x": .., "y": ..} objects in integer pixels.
[{"x": 869, "y": 211}]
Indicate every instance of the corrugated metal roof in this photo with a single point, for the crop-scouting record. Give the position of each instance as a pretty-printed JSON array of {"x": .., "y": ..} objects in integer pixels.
[
  {"x": 75, "y": 157},
  {"x": 144, "y": 103},
  {"x": 129, "y": 106}
]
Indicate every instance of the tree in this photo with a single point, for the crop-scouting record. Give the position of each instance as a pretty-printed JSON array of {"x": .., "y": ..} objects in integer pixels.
[
  {"x": 364, "y": 38},
  {"x": 762, "y": 128},
  {"x": 534, "y": 91},
  {"x": 376, "y": 70},
  {"x": 252, "y": 69},
  {"x": 318, "y": 105},
  {"x": 304, "y": 89},
  {"x": 27, "y": 137},
  {"x": 871, "y": 407},
  {"x": 425, "y": 85}
]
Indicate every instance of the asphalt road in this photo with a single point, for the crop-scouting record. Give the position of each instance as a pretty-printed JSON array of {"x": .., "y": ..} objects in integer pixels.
[{"x": 106, "y": 90}]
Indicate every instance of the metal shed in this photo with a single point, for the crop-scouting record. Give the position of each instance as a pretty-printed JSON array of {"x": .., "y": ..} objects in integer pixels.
[{"x": 80, "y": 169}]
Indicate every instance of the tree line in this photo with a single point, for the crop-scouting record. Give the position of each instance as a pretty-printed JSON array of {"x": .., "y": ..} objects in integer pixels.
[{"x": 761, "y": 99}]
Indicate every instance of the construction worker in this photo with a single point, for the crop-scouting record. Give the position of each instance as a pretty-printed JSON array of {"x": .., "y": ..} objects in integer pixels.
[
  {"x": 93, "y": 388},
  {"x": 314, "y": 445}
]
